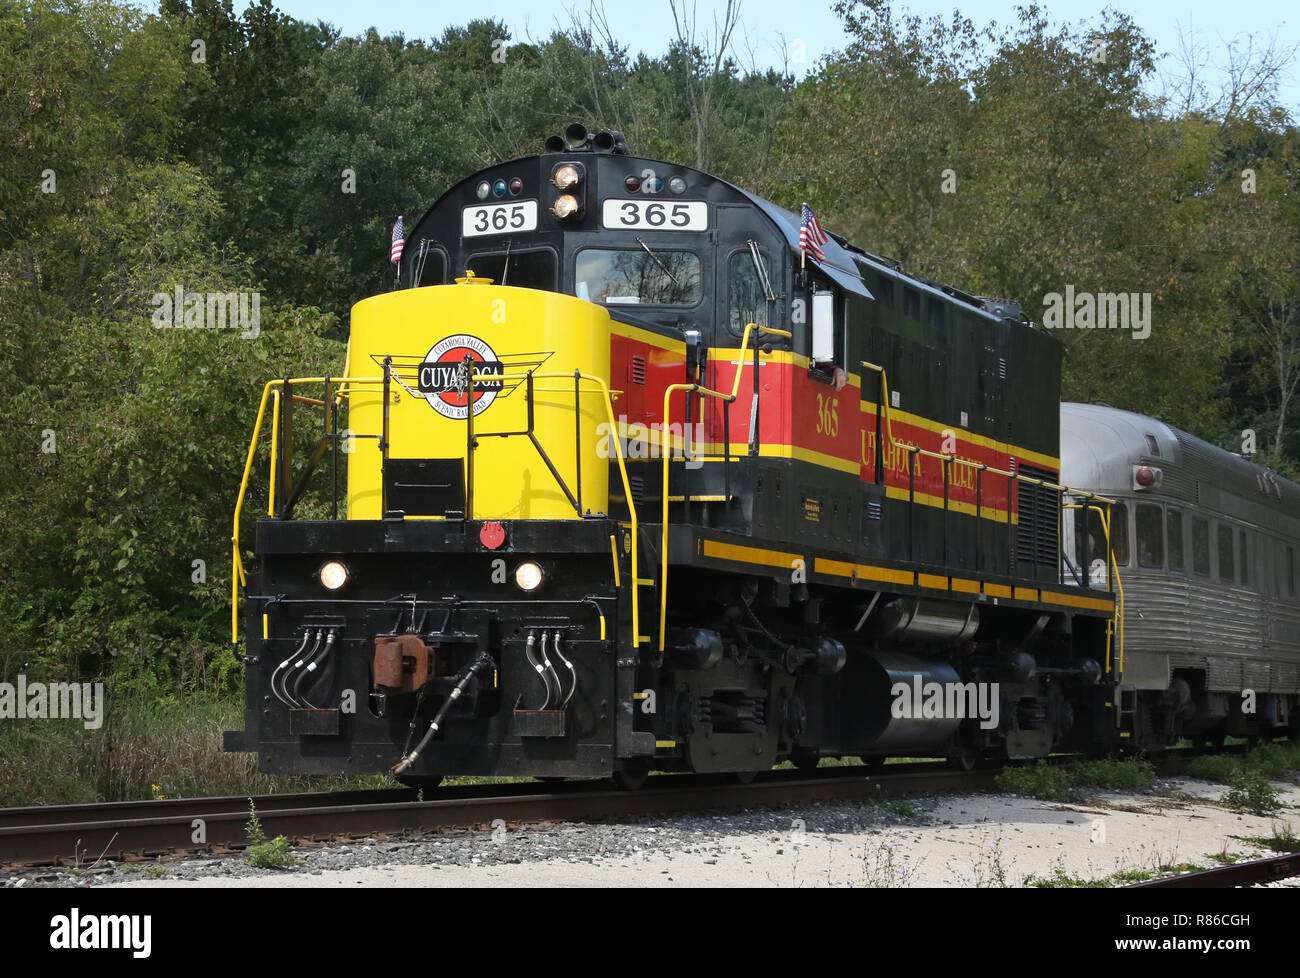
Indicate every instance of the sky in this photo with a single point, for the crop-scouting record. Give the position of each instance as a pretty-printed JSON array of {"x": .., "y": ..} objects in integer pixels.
[{"x": 647, "y": 25}]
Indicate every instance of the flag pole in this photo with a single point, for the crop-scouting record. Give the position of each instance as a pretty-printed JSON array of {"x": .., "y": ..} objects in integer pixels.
[{"x": 803, "y": 254}]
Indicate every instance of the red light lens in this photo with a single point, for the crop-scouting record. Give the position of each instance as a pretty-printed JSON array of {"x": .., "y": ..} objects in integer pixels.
[
  {"x": 1145, "y": 477},
  {"x": 516, "y": 185},
  {"x": 633, "y": 183}
]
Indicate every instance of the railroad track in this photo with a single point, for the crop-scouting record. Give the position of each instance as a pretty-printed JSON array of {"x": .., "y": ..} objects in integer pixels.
[
  {"x": 1250, "y": 873},
  {"x": 81, "y": 835}
]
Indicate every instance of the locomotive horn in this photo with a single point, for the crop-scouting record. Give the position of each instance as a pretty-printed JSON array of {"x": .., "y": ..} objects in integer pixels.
[
  {"x": 555, "y": 144},
  {"x": 576, "y": 136},
  {"x": 609, "y": 141}
]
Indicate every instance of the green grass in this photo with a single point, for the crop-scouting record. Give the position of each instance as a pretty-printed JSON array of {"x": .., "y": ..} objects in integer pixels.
[
  {"x": 1061, "y": 879},
  {"x": 1274, "y": 760},
  {"x": 1133, "y": 876},
  {"x": 1283, "y": 839},
  {"x": 144, "y": 750},
  {"x": 1214, "y": 767},
  {"x": 1252, "y": 793},
  {"x": 1064, "y": 782},
  {"x": 1129, "y": 774},
  {"x": 1050, "y": 782}
]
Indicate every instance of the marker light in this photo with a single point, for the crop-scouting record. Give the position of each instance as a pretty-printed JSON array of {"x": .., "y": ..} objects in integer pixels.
[
  {"x": 499, "y": 188},
  {"x": 677, "y": 185},
  {"x": 653, "y": 185},
  {"x": 1146, "y": 477},
  {"x": 483, "y": 190},
  {"x": 566, "y": 177},
  {"x": 633, "y": 183},
  {"x": 333, "y": 575},
  {"x": 528, "y": 576},
  {"x": 565, "y": 205},
  {"x": 516, "y": 185}
]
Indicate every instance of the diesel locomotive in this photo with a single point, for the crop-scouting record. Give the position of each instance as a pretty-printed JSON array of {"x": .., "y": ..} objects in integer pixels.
[{"x": 619, "y": 478}]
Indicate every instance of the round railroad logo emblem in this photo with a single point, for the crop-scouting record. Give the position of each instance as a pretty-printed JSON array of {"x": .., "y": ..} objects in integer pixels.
[{"x": 443, "y": 381}]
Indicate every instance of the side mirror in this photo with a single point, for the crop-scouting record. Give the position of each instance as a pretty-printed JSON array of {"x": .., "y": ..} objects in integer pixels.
[{"x": 823, "y": 327}]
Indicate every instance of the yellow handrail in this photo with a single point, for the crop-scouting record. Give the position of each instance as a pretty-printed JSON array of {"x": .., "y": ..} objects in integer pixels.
[
  {"x": 666, "y": 452},
  {"x": 1115, "y": 626},
  {"x": 275, "y": 448},
  {"x": 274, "y": 388},
  {"x": 237, "y": 575}
]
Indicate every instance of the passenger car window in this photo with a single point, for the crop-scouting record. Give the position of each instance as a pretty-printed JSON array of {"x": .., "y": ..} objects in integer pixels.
[
  {"x": 1245, "y": 557},
  {"x": 1119, "y": 533},
  {"x": 1226, "y": 572},
  {"x": 1200, "y": 546},
  {"x": 1174, "y": 524},
  {"x": 1150, "y": 535},
  {"x": 637, "y": 277}
]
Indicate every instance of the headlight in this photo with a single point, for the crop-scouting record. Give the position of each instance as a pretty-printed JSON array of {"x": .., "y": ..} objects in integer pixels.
[
  {"x": 528, "y": 576},
  {"x": 566, "y": 177},
  {"x": 333, "y": 575},
  {"x": 565, "y": 205}
]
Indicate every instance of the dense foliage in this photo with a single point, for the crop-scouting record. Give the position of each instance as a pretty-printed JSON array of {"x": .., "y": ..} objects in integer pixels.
[{"x": 215, "y": 152}]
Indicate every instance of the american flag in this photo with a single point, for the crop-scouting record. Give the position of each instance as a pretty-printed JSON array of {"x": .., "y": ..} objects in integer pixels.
[
  {"x": 399, "y": 241},
  {"x": 811, "y": 235}
]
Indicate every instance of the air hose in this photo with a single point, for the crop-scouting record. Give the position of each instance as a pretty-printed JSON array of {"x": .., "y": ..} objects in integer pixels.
[{"x": 482, "y": 662}]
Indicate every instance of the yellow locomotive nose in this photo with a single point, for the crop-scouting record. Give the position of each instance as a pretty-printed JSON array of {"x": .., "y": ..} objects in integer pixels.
[{"x": 530, "y": 447}]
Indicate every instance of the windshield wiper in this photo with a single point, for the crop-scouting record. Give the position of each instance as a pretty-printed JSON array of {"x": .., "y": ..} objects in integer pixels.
[
  {"x": 762, "y": 272},
  {"x": 662, "y": 267}
]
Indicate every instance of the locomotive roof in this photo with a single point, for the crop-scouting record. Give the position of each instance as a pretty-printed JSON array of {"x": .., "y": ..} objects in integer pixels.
[{"x": 844, "y": 263}]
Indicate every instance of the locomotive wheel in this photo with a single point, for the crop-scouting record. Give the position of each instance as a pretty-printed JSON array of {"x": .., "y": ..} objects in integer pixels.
[
  {"x": 804, "y": 759},
  {"x": 425, "y": 782},
  {"x": 632, "y": 776}
]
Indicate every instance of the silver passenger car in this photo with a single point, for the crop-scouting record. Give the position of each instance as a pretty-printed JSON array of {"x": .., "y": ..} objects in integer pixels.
[{"x": 1206, "y": 546}]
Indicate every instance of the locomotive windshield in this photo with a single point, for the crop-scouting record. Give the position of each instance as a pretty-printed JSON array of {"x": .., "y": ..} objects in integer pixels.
[
  {"x": 533, "y": 269},
  {"x": 638, "y": 276}
]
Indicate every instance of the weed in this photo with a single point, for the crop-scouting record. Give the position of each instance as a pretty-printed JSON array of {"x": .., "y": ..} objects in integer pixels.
[
  {"x": 1062, "y": 879},
  {"x": 1042, "y": 780},
  {"x": 1283, "y": 839},
  {"x": 263, "y": 853},
  {"x": 1251, "y": 792}
]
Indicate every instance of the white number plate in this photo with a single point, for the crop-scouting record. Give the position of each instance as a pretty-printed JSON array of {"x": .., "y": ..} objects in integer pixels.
[
  {"x": 664, "y": 215},
  {"x": 520, "y": 215}
]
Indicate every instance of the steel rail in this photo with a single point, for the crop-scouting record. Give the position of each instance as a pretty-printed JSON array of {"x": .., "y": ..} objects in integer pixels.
[
  {"x": 80, "y": 835},
  {"x": 1249, "y": 873}
]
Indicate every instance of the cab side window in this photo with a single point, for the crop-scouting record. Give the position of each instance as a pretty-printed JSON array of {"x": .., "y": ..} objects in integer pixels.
[{"x": 746, "y": 300}]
